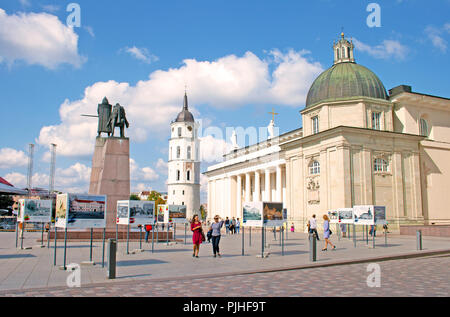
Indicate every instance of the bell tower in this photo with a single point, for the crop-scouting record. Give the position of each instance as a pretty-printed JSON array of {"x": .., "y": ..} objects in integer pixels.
[{"x": 184, "y": 162}]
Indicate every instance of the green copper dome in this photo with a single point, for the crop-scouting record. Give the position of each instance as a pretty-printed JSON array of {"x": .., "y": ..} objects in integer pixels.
[{"x": 345, "y": 80}]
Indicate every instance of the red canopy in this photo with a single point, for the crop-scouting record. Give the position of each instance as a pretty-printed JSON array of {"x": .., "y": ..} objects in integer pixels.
[{"x": 4, "y": 181}]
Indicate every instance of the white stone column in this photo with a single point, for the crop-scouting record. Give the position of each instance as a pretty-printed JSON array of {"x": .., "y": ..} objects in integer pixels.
[
  {"x": 239, "y": 195},
  {"x": 257, "y": 196},
  {"x": 248, "y": 189},
  {"x": 267, "y": 195},
  {"x": 279, "y": 185}
]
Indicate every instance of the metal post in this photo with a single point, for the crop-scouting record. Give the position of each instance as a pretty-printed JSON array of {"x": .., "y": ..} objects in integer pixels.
[
  {"x": 354, "y": 235},
  {"x": 128, "y": 239},
  {"x": 103, "y": 248},
  {"x": 287, "y": 230},
  {"x": 275, "y": 233},
  {"x": 349, "y": 232},
  {"x": 65, "y": 248},
  {"x": 185, "y": 233},
  {"x": 112, "y": 250},
  {"x": 312, "y": 247},
  {"x": 262, "y": 242},
  {"x": 174, "y": 232},
  {"x": 54, "y": 251},
  {"x": 367, "y": 234},
  {"x": 282, "y": 241},
  {"x": 250, "y": 238},
  {"x": 243, "y": 238},
  {"x": 373, "y": 238},
  {"x": 90, "y": 250},
  {"x": 338, "y": 230},
  {"x": 157, "y": 233},
  {"x": 167, "y": 237},
  {"x": 140, "y": 238},
  {"x": 23, "y": 233},
  {"x": 42, "y": 235},
  {"x": 117, "y": 233},
  {"x": 153, "y": 238},
  {"x": 48, "y": 235},
  {"x": 280, "y": 236},
  {"x": 385, "y": 237},
  {"x": 17, "y": 233},
  {"x": 419, "y": 240}
]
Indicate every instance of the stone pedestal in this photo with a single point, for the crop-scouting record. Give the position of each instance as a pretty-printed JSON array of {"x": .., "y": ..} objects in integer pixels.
[{"x": 111, "y": 174}]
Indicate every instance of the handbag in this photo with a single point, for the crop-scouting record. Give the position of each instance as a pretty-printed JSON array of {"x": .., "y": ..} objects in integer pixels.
[{"x": 203, "y": 235}]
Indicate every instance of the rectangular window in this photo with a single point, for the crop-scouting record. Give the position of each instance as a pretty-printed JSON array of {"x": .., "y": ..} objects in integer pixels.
[
  {"x": 376, "y": 120},
  {"x": 315, "y": 125}
]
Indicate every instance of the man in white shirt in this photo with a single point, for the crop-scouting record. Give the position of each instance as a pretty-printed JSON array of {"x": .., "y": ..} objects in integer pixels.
[{"x": 312, "y": 226}]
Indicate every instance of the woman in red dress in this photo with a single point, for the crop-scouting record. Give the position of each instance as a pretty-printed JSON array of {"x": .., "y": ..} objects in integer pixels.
[{"x": 196, "y": 228}]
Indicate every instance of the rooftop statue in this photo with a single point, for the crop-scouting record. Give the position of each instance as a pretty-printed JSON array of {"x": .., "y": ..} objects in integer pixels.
[{"x": 118, "y": 119}]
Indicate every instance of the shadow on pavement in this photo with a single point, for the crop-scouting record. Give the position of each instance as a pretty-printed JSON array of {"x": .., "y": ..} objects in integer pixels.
[
  {"x": 139, "y": 262},
  {"x": 16, "y": 256},
  {"x": 289, "y": 252},
  {"x": 133, "y": 276}
]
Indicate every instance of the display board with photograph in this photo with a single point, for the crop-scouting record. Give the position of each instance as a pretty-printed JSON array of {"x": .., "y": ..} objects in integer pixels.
[
  {"x": 364, "y": 215},
  {"x": 80, "y": 211},
  {"x": 334, "y": 216},
  {"x": 346, "y": 215},
  {"x": 273, "y": 214},
  {"x": 32, "y": 210},
  {"x": 163, "y": 214},
  {"x": 380, "y": 215},
  {"x": 253, "y": 214},
  {"x": 177, "y": 214},
  {"x": 135, "y": 212}
]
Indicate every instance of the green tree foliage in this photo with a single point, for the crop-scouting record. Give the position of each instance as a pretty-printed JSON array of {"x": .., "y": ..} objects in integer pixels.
[
  {"x": 203, "y": 212},
  {"x": 156, "y": 197},
  {"x": 6, "y": 201},
  {"x": 134, "y": 197}
]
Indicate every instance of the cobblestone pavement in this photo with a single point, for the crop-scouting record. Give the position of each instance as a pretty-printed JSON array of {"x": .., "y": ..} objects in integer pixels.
[{"x": 428, "y": 276}]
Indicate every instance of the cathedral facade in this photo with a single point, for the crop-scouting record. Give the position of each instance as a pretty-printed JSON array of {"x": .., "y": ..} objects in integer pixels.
[{"x": 358, "y": 145}]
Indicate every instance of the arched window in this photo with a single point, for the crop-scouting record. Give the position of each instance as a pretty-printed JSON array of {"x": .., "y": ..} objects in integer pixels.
[
  {"x": 380, "y": 165},
  {"x": 178, "y": 175},
  {"x": 315, "y": 125},
  {"x": 338, "y": 51},
  {"x": 189, "y": 153},
  {"x": 188, "y": 175},
  {"x": 178, "y": 152},
  {"x": 179, "y": 132},
  {"x": 424, "y": 128},
  {"x": 376, "y": 120},
  {"x": 314, "y": 168}
]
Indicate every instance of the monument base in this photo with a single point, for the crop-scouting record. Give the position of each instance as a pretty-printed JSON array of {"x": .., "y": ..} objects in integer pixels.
[{"x": 110, "y": 174}]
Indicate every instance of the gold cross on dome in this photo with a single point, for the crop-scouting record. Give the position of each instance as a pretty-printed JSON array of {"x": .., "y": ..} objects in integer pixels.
[{"x": 273, "y": 113}]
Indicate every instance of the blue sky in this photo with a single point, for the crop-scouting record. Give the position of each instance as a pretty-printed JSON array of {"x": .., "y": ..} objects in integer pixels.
[{"x": 239, "y": 59}]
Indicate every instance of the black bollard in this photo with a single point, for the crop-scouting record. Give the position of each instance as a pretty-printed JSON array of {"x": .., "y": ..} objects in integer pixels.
[
  {"x": 312, "y": 247},
  {"x": 419, "y": 240},
  {"x": 112, "y": 250}
]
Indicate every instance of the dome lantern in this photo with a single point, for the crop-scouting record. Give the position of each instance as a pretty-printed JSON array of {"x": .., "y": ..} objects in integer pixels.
[{"x": 343, "y": 50}]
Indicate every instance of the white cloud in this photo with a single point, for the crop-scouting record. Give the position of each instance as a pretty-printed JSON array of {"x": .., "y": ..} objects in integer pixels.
[
  {"x": 25, "y": 3},
  {"x": 51, "y": 8},
  {"x": 213, "y": 149},
  {"x": 37, "y": 39},
  {"x": 229, "y": 82},
  {"x": 162, "y": 166},
  {"x": 141, "y": 54},
  {"x": 436, "y": 36},
  {"x": 388, "y": 49},
  {"x": 138, "y": 174},
  {"x": 12, "y": 158},
  {"x": 90, "y": 30}
]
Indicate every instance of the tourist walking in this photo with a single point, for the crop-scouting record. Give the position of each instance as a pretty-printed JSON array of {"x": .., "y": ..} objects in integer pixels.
[
  {"x": 215, "y": 233},
  {"x": 343, "y": 227},
  {"x": 227, "y": 225},
  {"x": 197, "y": 237},
  {"x": 238, "y": 225},
  {"x": 292, "y": 228},
  {"x": 233, "y": 226},
  {"x": 327, "y": 233},
  {"x": 373, "y": 231},
  {"x": 312, "y": 226},
  {"x": 148, "y": 228}
]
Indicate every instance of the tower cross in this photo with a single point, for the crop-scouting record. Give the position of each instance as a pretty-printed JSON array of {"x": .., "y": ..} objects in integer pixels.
[{"x": 273, "y": 113}]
